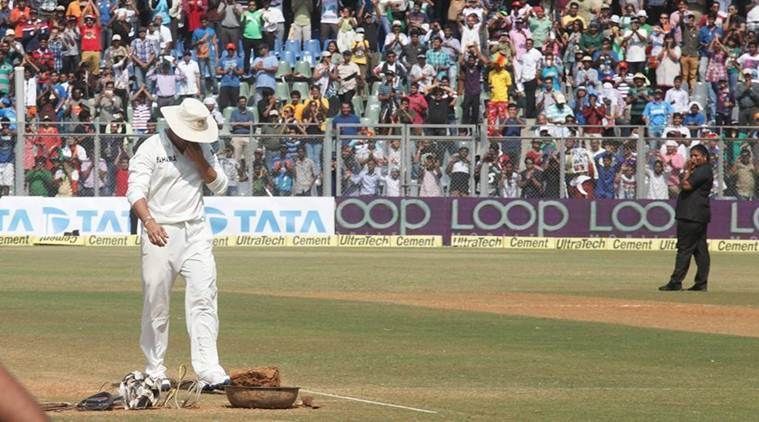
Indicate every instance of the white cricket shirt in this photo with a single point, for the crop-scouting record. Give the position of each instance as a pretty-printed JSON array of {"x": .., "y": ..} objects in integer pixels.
[{"x": 170, "y": 182}]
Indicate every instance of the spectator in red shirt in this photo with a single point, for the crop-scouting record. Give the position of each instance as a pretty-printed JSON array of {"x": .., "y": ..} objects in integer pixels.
[
  {"x": 121, "y": 176},
  {"x": 43, "y": 57},
  {"x": 594, "y": 113},
  {"x": 91, "y": 33}
]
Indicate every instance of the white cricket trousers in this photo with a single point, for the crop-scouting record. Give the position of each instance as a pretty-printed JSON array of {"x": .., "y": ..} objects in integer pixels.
[{"x": 189, "y": 253}]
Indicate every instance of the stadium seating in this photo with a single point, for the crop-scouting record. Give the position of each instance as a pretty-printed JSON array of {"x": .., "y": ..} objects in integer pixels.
[
  {"x": 244, "y": 89},
  {"x": 303, "y": 68},
  {"x": 292, "y": 46},
  {"x": 290, "y": 57},
  {"x": 373, "y": 113},
  {"x": 301, "y": 87},
  {"x": 282, "y": 91},
  {"x": 283, "y": 69},
  {"x": 312, "y": 46},
  {"x": 358, "y": 106}
]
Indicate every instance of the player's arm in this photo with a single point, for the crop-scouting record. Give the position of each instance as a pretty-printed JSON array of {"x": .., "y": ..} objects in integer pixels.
[
  {"x": 141, "y": 167},
  {"x": 209, "y": 168},
  {"x": 16, "y": 404}
]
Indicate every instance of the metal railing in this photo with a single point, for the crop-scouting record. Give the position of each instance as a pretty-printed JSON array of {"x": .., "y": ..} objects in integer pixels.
[{"x": 412, "y": 160}]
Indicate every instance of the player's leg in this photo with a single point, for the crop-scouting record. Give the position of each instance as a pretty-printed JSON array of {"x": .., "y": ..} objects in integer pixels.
[
  {"x": 158, "y": 276},
  {"x": 199, "y": 271}
]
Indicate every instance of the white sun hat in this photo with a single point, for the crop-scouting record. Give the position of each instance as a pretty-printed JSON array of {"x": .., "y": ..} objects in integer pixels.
[{"x": 191, "y": 121}]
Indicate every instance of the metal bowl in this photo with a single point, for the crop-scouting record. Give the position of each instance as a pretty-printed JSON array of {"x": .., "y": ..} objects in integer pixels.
[{"x": 262, "y": 397}]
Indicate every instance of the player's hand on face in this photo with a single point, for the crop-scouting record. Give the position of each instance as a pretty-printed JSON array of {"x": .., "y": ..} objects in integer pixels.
[
  {"x": 156, "y": 234},
  {"x": 194, "y": 153}
]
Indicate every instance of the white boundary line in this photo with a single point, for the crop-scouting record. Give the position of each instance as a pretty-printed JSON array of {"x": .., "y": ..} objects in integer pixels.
[{"x": 370, "y": 401}]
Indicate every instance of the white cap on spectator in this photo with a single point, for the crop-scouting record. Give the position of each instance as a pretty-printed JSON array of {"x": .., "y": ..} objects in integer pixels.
[
  {"x": 209, "y": 101},
  {"x": 59, "y": 7},
  {"x": 116, "y": 37},
  {"x": 642, "y": 13},
  {"x": 10, "y": 32},
  {"x": 615, "y": 18},
  {"x": 326, "y": 54},
  {"x": 560, "y": 99},
  {"x": 397, "y": 23},
  {"x": 671, "y": 143}
]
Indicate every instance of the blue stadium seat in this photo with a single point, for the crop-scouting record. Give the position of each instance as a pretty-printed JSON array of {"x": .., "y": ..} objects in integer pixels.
[
  {"x": 309, "y": 58},
  {"x": 313, "y": 47},
  {"x": 290, "y": 57},
  {"x": 293, "y": 46}
]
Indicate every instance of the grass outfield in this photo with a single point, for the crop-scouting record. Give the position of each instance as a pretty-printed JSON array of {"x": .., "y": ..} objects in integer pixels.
[{"x": 70, "y": 321}]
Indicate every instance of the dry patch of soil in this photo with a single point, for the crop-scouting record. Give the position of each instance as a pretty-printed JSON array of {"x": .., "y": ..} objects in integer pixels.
[{"x": 700, "y": 318}]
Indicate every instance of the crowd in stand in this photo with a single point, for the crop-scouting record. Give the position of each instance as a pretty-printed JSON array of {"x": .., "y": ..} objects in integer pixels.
[{"x": 583, "y": 78}]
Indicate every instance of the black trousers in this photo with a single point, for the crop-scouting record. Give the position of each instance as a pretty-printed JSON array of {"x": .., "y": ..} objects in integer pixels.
[
  {"x": 691, "y": 242},
  {"x": 529, "y": 98},
  {"x": 228, "y": 96},
  {"x": 470, "y": 110}
]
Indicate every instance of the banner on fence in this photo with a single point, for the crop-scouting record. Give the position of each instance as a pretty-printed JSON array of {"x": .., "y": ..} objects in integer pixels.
[
  {"x": 566, "y": 218},
  {"x": 110, "y": 216}
]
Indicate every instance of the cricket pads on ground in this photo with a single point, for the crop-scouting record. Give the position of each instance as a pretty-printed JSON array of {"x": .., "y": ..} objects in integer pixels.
[{"x": 256, "y": 377}]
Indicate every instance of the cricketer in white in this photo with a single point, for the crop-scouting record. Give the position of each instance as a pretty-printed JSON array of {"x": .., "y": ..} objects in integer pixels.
[{"x": 166, "y": 178}]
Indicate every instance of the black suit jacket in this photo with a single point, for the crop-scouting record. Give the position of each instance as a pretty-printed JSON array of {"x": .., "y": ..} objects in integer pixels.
[{"x": 693, "y": 205}]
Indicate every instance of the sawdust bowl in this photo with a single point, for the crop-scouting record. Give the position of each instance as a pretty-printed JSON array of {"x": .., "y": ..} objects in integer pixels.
[{"x": 259, "y": 388}]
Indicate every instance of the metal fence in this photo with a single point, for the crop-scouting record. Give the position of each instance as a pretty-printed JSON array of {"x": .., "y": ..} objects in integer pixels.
[{"x": 91, "y": 159}]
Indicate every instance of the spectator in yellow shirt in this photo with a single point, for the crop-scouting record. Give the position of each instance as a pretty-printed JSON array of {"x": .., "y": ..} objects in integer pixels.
[{"x": 500, "y": 82}]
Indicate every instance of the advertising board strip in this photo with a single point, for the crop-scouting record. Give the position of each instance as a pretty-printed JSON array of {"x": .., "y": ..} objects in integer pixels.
[
  {"x": 559, "y": 218},
  {"x": 411, "y": 241},
  {"x": 288, "y": 216}
]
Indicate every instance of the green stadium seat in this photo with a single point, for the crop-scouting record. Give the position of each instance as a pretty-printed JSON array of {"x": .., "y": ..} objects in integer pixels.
[
  {"x": 282, "y": 91},
  {"x": 254, "y": 111},
  {"x": 245, "y": 89},
  {"x": 283, "y": 69},
  {"x": 303, "y": 68},
  {"x": 301, "y": 87},
  {"x": 373, "y": 113},
  {"x": 358, "y": 105},
  {"x": 373, "y": 99}
]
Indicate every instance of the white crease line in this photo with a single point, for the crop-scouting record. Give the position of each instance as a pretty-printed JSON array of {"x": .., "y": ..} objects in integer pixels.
[{"x": 369, "y": 401}]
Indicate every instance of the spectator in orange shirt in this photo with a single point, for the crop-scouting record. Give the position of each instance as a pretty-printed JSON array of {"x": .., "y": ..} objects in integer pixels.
[{"x": 19, "y": 14}]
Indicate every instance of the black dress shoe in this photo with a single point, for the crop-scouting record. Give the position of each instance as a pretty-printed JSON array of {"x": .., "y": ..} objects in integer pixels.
[
  {"x": 697, "y": 288},
  {"x": 671, "y": 287}
]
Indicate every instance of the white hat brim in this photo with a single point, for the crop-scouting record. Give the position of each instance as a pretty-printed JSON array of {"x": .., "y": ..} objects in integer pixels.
[{"x": 175, "y": 123}]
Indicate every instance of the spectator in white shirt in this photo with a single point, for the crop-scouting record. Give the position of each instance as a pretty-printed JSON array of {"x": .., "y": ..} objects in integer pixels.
[
  {"x": 422, "y": 73},
  {"x": 527, "y": 76},
  {"x": 635, "y": 41},
  {"x": 678, "y": 97},
  {"x": 367, "y": 179},
  {"x": 189, "y": 85}
]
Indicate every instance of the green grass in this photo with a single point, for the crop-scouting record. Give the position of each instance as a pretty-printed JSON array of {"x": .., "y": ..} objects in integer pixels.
[{"x": 70, "y": 321}]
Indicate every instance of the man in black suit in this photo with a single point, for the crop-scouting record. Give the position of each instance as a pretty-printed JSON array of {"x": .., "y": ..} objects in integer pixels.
[{"x": 693, "y": 215}]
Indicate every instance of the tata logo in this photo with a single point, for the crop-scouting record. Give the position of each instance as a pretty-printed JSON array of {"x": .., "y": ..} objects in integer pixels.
[
  {"x": 86, "y": 220},
  {"x": 216, "y": 219},
  {"x": 15, "y": 221},
  {"x": 266, "y": 221}
]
